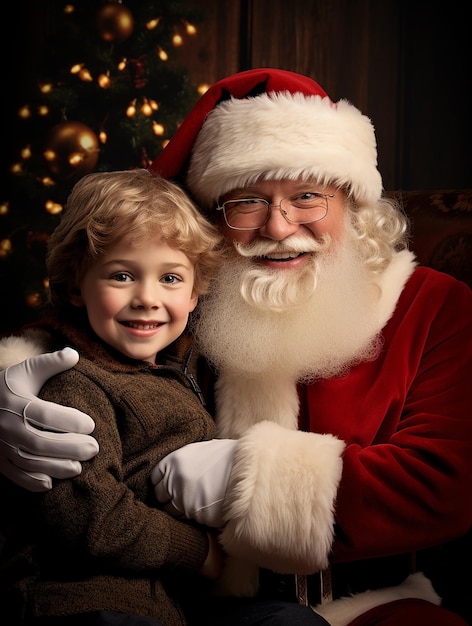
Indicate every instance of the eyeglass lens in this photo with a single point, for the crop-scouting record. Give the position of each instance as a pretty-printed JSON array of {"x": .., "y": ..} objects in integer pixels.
[{"x": 253, "y": 213}]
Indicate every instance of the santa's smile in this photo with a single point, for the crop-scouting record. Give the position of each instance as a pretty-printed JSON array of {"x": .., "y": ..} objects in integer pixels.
[{"x": 280, "y": 256}]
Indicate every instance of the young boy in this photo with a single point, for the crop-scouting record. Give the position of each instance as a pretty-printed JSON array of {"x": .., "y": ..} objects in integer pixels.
[{"x": 126, "y": 266}]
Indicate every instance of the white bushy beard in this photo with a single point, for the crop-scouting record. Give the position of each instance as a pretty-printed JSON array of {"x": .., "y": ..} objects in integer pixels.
[{"x": 302, "y": 324}]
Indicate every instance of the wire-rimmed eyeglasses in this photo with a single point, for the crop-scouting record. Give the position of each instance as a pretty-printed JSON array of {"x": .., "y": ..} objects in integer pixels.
[{"x": 253, "y": 213}]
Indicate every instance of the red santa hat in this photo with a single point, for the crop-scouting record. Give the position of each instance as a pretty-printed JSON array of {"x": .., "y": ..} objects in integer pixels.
[{"x": 269, "y": 123}]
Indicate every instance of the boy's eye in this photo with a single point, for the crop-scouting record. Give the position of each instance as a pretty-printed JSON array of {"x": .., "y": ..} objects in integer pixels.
[
  {"x": 170, "y": 279},
  {"x": 121, "y": 277}
]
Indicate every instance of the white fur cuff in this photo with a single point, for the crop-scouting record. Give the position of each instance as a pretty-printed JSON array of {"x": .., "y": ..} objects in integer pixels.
[{"x": 280, "y": 499}]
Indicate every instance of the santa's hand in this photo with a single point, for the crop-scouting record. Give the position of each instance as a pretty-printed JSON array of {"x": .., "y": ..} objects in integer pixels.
[
  {"x": 191, "y": 481},
  {"x": 39, "y": 439}
]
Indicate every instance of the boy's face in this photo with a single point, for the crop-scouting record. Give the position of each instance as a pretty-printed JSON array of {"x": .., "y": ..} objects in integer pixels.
[{"x": 138, "y": 299}]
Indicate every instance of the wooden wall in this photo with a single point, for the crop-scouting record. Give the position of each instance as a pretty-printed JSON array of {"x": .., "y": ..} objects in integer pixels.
[{"x": 405, "y": 63}]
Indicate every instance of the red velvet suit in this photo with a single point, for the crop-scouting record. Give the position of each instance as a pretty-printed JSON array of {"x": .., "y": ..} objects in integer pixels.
[{"x": 407, "y": 421}]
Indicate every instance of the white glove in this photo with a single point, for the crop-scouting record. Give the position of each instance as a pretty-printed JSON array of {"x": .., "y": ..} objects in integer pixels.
[
  {"x": 40, "y": 439},
  {"x": 192, "y": 480}
]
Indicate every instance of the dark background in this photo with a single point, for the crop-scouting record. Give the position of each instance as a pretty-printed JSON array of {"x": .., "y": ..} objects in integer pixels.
[{"x": 404, "y": 63}]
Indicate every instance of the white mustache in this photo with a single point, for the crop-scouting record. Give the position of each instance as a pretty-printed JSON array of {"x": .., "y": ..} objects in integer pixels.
[{"x": 295, "y": 244}]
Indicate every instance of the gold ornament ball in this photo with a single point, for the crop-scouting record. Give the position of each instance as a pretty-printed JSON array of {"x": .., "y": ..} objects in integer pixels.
[
  {"x": 115, "y": 23},
  {"x": 71, "y": 150}
]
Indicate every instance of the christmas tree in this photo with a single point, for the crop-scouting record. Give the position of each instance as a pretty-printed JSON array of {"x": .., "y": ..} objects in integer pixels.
[{"x": 109, "y": 94}]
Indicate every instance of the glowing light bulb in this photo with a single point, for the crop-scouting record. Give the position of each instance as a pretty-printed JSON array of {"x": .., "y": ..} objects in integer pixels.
[
  {"x": 24, "y": 112},
  {"x": 146, "y": 109},
  {"x": 54, "y": 208},
  {"x": 85, "y": 75},
  {"x": 151, "y": 25},
  {"x": 190, "y": 29},
  {"x": 131, "y": 110},
  {"x": 162, "y": 54},
  {"x": 49, "y": 155},
  {"x": 75, "y": 158},
  {"x": 5, "y": 247},
  {"x": 177, "y": 40},
  {"x": 33, "y": 300},
  {"x": 104, "y": 81},
  {"x": 26, "y": 152}
]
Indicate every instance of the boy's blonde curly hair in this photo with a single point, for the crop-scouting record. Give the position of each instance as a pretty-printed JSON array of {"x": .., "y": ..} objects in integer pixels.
[{"x": 104, "y": 207}]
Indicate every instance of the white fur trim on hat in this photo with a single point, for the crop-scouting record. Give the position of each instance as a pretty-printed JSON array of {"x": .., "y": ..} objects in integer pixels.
[{"x": 284, "y": 136}]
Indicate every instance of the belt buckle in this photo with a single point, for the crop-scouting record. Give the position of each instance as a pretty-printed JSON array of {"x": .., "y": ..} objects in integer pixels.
[
  {"x": 324, "y": 584},
  {"x": 301, "y": 588}
]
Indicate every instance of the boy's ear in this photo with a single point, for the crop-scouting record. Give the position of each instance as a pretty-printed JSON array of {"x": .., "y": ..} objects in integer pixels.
[
  {"x": 193, "y": 301},
  {"x": 75, "y": 297}
]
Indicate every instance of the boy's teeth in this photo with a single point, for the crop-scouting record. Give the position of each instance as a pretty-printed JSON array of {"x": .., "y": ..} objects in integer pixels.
[{"x": 142, "y": 326}]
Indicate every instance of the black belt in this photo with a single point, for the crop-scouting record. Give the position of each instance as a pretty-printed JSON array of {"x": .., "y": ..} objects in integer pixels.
[{"x": 342, "y": 579}]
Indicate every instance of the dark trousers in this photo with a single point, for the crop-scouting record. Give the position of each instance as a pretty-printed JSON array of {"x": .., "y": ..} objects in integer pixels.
[
  {"x": 251, "y": 612},
  {"x": 235, "y": 612}
]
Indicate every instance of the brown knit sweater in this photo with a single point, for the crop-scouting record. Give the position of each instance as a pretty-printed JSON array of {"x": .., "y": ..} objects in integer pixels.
[{"x": 99, "y": 541}]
